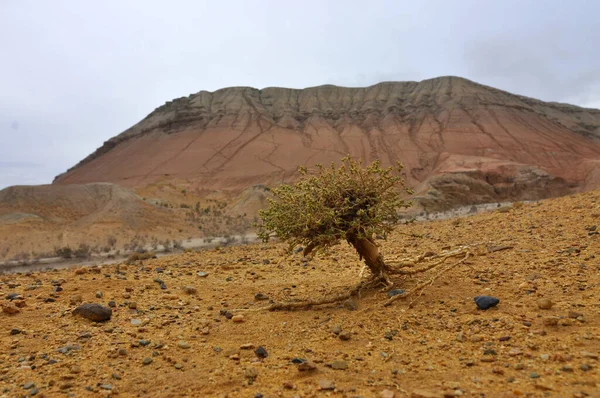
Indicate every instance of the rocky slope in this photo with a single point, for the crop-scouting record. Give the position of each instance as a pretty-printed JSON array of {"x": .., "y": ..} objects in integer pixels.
[
  {"x": 180, "y": 339},
  {"x": 455, "y": 137},
  {"x": 34, "y": 220}
]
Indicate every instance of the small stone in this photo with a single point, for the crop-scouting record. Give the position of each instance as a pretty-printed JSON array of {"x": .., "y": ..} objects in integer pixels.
[
  {"x": 345, "y": 335},
  {"x": 10, "y": 309},
  {"x": 98, "y": 294},
  {"x": 136, "y": 322},
  {"x": 574, "y": 314},
  {"x": 93, "y": 312},
  {"x": 326, "y": 384},
  {"x": 144, "y": 343},
  {"x": 147, "y": 361},
  {"x": 15, "y": 331},
  {"x": 202, "y": 274},
  {"x": 534, "y": 375},
  {"x": 106, "y": 386},
  {"x": 261, "y": 352},
  {"x": 260, "y": 297},
  {"x": 486, "y": 302},
  {"x": 339, "y": 365},
  {"x": 76, "y": 299},
  {"x": 132, "y": 305},
  {"x": 387, "y": 394},
  {"x": 80, "y": 271},
  {"x": 251, "y": 373},
  {"x": 395, "y": 292},
  {"x": 13, "y": 296},
  {"x": 587, "y": 354},
  {"x": 337, "y": 329},
  {"x": 288, "y": 385},
  {"x": 112, "y": 304},
  {"x": 238, "y": 318},
  {"x": 29, "y": 386},
  {"x": 178, "y": 366},
  {"x": 585, "y": 367},
  {"x": 552, "y": 321},
  {"x": 545, "y": 304},
  {"x": 306, "y": 366},
  {"x": 190, "y": 290},
  {"x": 183, "y": 344}
]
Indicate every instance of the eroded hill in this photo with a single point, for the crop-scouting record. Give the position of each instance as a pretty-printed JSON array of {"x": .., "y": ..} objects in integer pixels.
[{"x": 461, "y": 142}]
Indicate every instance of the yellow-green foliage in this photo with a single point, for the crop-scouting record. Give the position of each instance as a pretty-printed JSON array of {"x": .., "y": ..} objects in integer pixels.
[{"x": 335, "y": 203}]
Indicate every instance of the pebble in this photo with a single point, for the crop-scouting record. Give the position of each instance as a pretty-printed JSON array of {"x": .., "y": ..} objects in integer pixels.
[
  {"x": 10, "y": 309},
  {"x": 534, "y": 375},
  {"x": 587, "y": 354},
  {"x": 190, "y": 290},
  {"x": 261, "y": 352},
  {"x": 144, "y": 343},
  {"x": 339, "y": 365},
  {"x": 147, "y": 361},
  {"x": 99, "y": 294},
  {"x": 395, "y": 292},
  {"x": 326, "y": 384},
  {"x": 132, "y": 305},
  {"x": 424, "y": 394},
  {"x": 93, "y": 312},
  {"x": 545, "y": 304},
  {"x": 202, "y": 274},
  {"x": 112, "y": 304},
  {"x": 76, "y": 299},
  {"x": 136, "y": 322},
  {"x": 260, "y": 297},
  {"x": 15, "y": 331},
  {"x": 183, "y": 344},
  {"x": 306, "y": 366},
  {"x": 337, "y": 329},
  {"x": 345, "y": 335},
  {"x": 238, "y": 318},
  {"x": 486, "y": 302},
  {"x": 29, "y": 386},
  {"x": 387, "y": 394}
]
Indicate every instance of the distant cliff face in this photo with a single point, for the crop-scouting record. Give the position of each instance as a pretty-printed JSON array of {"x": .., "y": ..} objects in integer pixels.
[{"x": 453, "y": 135}]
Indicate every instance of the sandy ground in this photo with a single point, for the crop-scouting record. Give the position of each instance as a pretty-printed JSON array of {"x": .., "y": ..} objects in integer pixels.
[{"x": 179, "y": 341}]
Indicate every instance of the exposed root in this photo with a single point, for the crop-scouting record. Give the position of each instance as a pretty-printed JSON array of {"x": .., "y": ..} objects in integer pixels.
[
  {"x": 421, "y": 287},
  {"x": 404, "y": 266},
  {"x": 336, "y": 298}
]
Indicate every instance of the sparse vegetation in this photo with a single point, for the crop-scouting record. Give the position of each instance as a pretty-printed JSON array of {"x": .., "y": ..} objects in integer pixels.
[{"x": 350, "y": 202}]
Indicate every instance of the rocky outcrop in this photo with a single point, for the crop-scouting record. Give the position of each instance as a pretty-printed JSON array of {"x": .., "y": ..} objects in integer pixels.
[{"x": 489, "y": 143}]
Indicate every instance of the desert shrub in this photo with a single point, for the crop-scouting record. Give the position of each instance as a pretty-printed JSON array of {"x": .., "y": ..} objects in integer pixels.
[
  {"x": 82, "y": 251},
  {"x": 140, "y": 256},
  {"x": 111, "y": 241},
  {"x": 64, "y": 252},
  {"x": 349, "y": 202},
  {"x": 177, "y": 244}
]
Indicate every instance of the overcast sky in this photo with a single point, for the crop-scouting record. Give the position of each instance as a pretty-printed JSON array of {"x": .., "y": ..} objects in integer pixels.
[{"x": 75, "y": 73}]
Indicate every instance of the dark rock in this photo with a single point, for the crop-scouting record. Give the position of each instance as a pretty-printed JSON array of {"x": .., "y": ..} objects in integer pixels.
[
  {"x": 147, "y": 361},
  {"x": 395, "y": 292},
  {"x": 486, "y": 302},
  {"x": 144, "y": 343},
  {"x": 12, "y": 296},
  {"x": 112, "y": 304},
  {"x": 261, "y": 352},
  {"x": 298, "y": 360},
  {"x": 93, "y": 312},
  {"x": 260, "y": 297},
  {"x": 29, "y": 386},
  {"x": 15, "y": 331}
]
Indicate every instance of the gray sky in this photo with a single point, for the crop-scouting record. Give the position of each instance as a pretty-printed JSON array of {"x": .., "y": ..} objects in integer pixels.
[{"x": 75, "y": 73}]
